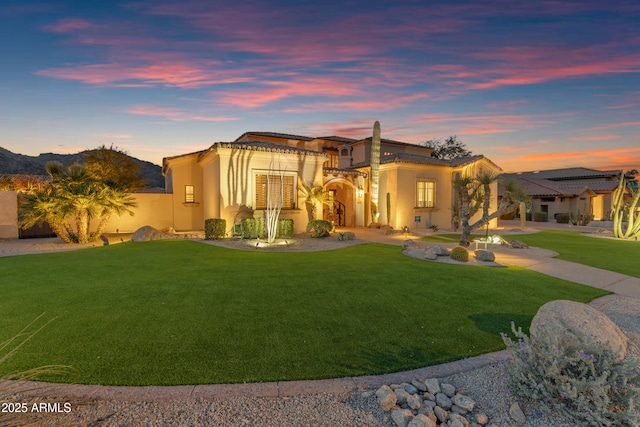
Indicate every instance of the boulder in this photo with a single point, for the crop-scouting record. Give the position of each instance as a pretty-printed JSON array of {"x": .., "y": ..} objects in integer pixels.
[
  {"x": 386, "y": 398},
  {"x": 430, "y": 254},
  {"x": 448, "y": 389},
  {"x": 409, "y": 244},
  {"x": 347, "y": 235},
  {"x": 580, "y": 321},
  {"x": 148, "y": 233},
  {"x": 410, "y": 388},
  {"x": 418, "y": 385},
  {"x": 443, "y": 401},
  {"x": 440, "y": 251},
  {"x": 401, "y": 417},
  {"x": 433, "y": 385},
  {"x": 422, "y": 420},
  {"x": 517, "y": 244},
  {"x": 464, "y": 402},
  {"x": 485, "y": 255}
]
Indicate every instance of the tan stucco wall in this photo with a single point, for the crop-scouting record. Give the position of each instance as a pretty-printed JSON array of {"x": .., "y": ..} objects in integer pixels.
[
  {"x": 186, "y": 171},
  {"x": 8, "y": 215},
  {"x": 154, "y": 209}
]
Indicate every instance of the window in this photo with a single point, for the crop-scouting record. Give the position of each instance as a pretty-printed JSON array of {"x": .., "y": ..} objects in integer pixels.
[
  {"x": 189, "y": 195},
  {"x": 425, "y": 194},
  {"x": 332, "y": 162},
  {"x": 276, "y": 184}
]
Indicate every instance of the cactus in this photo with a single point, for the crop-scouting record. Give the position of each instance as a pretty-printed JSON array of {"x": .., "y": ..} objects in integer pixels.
[
  {"x": 460, "y": 253},
  {"x": 375, "y": 171}
]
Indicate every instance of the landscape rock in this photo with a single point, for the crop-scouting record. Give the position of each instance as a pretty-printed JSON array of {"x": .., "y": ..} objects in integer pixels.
[
  {"x": 430, "y": 254},
  {"x": 517, "y": 244},
  {"x": 516, "y": 413},
  {"x": 443, "y": 401},
  {"x": 386, "y": 398},
  {"x": 402, "y": 417},
  {"x": 401, "y": 396},
  {"x": 414, "y": 402},
  {"x": 484, "y": 255},
  {"x": 456, "y": 420},
  {"x": 441, "y": 414},
  {"x": 418, "y": 385},
  {"x": 347, "y": 235},
  {"x": 482, "y": 419},
  {"x": 422, "y": 420},
  {"x": 464, "y": 402},
  {"x": 148, "y": 233},
  {"x": 409, "y": 244},
  {"x": 433, "y": 386},
  {"x": 580, "y": 321},
  {"x": 440, "y": 251},
  {"x": 429, "y": 396},
  {"x": 448, "y": 389},
  {"x": 410, "y": 388}
]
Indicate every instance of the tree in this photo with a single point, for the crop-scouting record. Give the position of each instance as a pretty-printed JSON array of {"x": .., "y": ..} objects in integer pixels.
[
  {"x": 114, "y": 166},
  {"x": 72, "y": 200},
  {"x": 625, "y": 207},
  {"x": 314, "y": 194},
  {"x": 450, "y": 148},
  {"x": 474, "y": 195}
]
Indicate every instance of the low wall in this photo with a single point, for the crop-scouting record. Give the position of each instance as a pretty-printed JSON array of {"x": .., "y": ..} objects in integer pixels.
[{"x": 8, "y": 214}]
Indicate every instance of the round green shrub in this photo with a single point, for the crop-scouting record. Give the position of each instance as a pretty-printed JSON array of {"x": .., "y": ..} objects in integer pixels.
[
  {"x": 460, "y": 253},
  {"x": 215, "y": 228},
  {"x": 319, "y": 228}
]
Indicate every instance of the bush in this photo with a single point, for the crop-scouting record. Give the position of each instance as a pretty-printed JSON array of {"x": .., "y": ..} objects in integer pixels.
[
  {"x": 215, "y": 228},
  {"x": 319, "y": 228},
  {"x": 540, "y": 216},
  {"x": 578, "y": 380},
  {"x": 460, "y": 253},
  {"x": 253, "y": 228},
  {"x": 285, "y": 228},
  {"x": 509, "y": 215},
  {"x": 562, "y": 218}
]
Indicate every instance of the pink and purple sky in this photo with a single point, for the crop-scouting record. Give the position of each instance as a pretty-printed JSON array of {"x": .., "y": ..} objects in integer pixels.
[{"x": 531, "y": 85}]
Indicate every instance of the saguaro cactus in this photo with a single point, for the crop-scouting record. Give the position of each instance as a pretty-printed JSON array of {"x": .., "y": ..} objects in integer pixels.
[{"x": 375, "y": 171}]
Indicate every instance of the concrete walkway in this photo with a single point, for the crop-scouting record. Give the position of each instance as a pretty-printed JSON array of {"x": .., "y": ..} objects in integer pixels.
[{"x": 622, "y": 285}]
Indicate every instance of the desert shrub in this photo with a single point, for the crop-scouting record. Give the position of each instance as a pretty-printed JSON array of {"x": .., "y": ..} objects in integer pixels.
[
  {"x": 319, "y": 227},
  {"x": 215, "y": 228},
  {"x": 562, "y": 218},
  {"x": 253, "y": 228},
  {"x": 579, "y": 380},
  {"x": 460, "y": 253},
  {"x": 540, "y": 216},
  {"x": 285, "y": 228},
  {"x": 509, "y": 215}
]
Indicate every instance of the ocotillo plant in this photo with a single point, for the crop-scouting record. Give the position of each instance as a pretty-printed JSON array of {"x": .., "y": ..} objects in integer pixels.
[{"x": 375, "y": 170}]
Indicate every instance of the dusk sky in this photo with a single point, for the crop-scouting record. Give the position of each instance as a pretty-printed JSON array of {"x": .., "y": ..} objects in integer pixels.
[{"x": 529, "y": 84}]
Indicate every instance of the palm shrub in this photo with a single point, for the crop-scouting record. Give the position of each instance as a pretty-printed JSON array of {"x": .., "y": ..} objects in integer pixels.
[
  {"x": 71, "y": 201},
  {"x": 579, "y": 380},
  {"x": 215, "y": 228}
]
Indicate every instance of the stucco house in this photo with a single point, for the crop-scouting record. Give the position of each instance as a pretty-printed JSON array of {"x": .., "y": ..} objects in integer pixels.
[
  {"x": 230, "y": 177},
  {"x": 570, "y": 190}
]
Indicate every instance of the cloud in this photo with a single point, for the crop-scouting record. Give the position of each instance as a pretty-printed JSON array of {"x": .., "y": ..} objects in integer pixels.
[
  {"x": 67, "y": 25},
  {"x": 609, "y": 158},
  {"x": 174, "y": 115}
]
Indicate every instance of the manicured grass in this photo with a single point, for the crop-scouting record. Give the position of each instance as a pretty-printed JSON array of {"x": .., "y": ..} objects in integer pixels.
[
  {"x": 609, "y": 254},
  {"x": 180, "y": 312}
]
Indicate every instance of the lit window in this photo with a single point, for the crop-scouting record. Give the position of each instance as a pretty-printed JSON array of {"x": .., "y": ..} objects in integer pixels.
[
  {"x": 425, "y": 194},
  {"x": 279, "y": 187},
  {"x": 189, "y": 195}
]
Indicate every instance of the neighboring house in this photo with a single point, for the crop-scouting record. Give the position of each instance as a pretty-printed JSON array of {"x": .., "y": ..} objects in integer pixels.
[
  {"x": 230, "y": 178},
  {"x": 569, "y": 190}
]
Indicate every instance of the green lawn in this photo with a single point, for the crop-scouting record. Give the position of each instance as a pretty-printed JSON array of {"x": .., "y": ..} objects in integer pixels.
[
  {"x": 609, "y": 254},
  {"x": 180, "y": 312}
]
